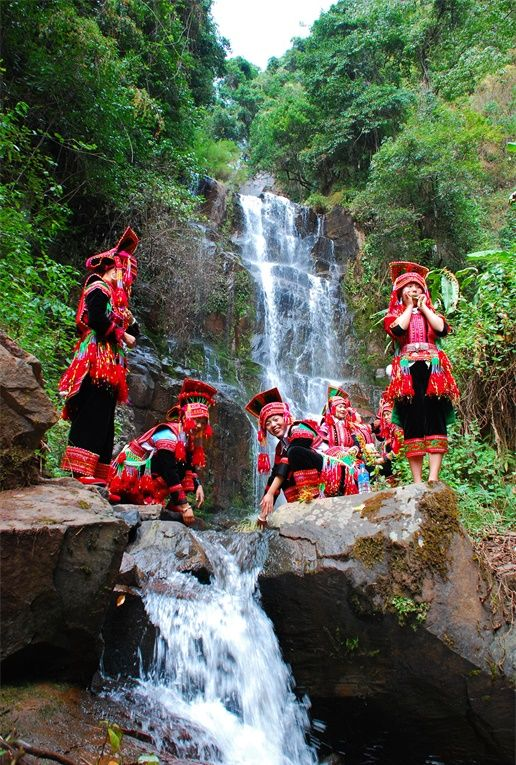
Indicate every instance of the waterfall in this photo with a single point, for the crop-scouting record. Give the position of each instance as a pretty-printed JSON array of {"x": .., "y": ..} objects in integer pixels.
[
  {"x": 300, "y": 342},
  {"x": 217, "y": 664}
]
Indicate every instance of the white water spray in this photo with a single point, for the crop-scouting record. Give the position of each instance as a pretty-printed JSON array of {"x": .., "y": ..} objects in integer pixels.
[
  {"x": 299, "y": 342},
  {"x": 217, "y": 664}
]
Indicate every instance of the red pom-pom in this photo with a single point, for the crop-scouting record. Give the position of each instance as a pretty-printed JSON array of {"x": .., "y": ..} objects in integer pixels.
[
  {"x": 208, "y": 431},
  {"x": 264, "y": 463},
  {"x": 115, "y": 485},
  {"x": 189, "y": 425},
  {"x": 121, "y": 458},
  {"x": 328, "y": 419},
  {"x": 147, "y": 484},
  {"x": 180, "y": 451},
  {"x": 198, "y": 457}
]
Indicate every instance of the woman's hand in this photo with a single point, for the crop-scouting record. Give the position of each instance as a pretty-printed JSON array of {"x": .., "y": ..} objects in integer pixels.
[
  {"x": 188, "y": 515},
  {"x": 406, "y": 296},
  {"x": 266, "y": 506},
  {"x": 129, "y": 340},
  {"x": 421, "y": 302},
  {"x": 199, "y": 496}
]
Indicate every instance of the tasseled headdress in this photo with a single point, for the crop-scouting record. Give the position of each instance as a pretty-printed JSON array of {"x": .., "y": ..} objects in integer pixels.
[
  {"x": 194, "y": 402},
  {"x": 404, "y": 272},
  {"x": 336, "y": 395},
  {"x": 122, "y": 256},
  {"x": 262, "y": 406}
]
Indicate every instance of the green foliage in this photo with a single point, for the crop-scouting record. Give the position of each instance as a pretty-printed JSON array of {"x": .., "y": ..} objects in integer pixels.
[
  {"x": 134, "y": 76},
  {"x": 410, "y": 612},
  {"x": 32, "y": 310},
  {"x": 431, "y": 214},
  {"x": 481, "y": 478},
  {"x": 318, "y": 202},
  {"x": 237, "y": 101},
  {"x": 218, "y": 159},
  {"x": 103, "y": 104},
  {"x": 279, "y": 135},
  {"x": 482, "y": 348},
  {"x": 444, "y": 289}
]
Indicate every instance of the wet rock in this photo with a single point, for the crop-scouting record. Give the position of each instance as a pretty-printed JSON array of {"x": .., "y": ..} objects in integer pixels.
[
  {"x": 258, "y": 184},
  {"x": 160, "y": 550},
  {"x": 215, "y": 194},
  {"x": 380, "y": 597},
  {"x": 341, "y": 228},
  {"x": 61, "y": 548},
  {"x": 67, "y": 720},
  {"x": 26, "y": 413}
]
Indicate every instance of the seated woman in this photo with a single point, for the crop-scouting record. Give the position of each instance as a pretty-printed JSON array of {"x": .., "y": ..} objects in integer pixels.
[
  {"x": 160, "y": 467},
  {"x": 344, "y": 435},
  {"x": 389, "y": 435},
  {"x": 297, "y": 468}
]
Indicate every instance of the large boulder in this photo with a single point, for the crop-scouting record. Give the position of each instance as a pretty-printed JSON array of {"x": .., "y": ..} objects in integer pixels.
[
  {"x": 26, "y": 413},
  {"x": 61, "y": 549},
  {"x": 379, "y": 597}
]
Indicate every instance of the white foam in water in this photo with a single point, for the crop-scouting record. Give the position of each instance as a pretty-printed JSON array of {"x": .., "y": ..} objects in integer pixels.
[{"x": 217, "y": 663}]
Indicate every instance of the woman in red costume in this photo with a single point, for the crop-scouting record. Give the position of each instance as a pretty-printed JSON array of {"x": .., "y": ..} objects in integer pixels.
[
  {"x": 297, "y": 469},
  {"x": 338, "y": 440},
  {"x": 160, "y": 466},
  {"x": 96, "y": 378},
  {"x": 422, "y": 387}
]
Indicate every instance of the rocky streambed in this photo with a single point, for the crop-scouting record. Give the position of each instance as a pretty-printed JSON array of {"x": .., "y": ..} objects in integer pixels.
[{"x": 379, "y": 605}]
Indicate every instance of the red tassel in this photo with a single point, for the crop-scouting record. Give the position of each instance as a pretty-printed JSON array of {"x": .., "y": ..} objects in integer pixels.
[
  {"x": 328, "y": 419},
  {"x": 208, "y": 432},
  {"x": 116, "y": 485},
  {"x": 264, "y": 463},
  {"x": 198, "y": 457},
  {"x": 188, "y": 425},
  {"x": 180, "y": 451},
  {"x": 147, "y": 484},
  {"x": 407, "y": 389}
]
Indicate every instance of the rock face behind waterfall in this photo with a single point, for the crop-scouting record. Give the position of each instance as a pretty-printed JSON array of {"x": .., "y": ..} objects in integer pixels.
[{"x": 380, "y": 598}]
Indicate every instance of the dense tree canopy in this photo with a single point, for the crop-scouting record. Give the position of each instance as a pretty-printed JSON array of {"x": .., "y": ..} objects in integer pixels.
[
  {"x": 380, "y": 109},
  {"x": 102, "y": 102}
]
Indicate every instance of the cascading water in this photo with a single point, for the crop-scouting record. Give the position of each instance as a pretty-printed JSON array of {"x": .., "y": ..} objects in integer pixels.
[
  {"x": 217, "y": 664},
  {"x": 299, "y": 342}
]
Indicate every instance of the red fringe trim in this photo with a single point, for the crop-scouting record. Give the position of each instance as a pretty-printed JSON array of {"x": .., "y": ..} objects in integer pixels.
[{"x": 264, "y": 463}]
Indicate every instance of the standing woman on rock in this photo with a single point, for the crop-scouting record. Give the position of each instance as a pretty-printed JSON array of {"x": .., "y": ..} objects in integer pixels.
[
  {"x": 95, "y": 381},
  {"x": 422, "y": 387}
]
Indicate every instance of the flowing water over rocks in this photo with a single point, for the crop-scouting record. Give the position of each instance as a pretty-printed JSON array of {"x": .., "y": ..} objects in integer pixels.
[
  {"x": 302, "y": 333},
  {"x": 216, "y": 687}
]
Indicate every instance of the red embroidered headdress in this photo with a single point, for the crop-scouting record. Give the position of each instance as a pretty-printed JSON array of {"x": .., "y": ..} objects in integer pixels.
[
  {"x": 121, "y": 255},
  {"x": 404, "y": 272},
  {"x": 262, "y": 406},
  {"x": 335, "y": 396},
  {"x": 194, "y": 402}
]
